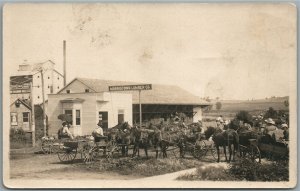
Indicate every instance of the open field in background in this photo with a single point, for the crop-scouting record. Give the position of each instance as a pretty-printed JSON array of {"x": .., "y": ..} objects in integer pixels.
[{"x": 230, "y": 108}]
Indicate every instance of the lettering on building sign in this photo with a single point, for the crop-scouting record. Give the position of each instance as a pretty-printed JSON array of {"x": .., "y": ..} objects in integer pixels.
[{"x": 130, "y": 87}]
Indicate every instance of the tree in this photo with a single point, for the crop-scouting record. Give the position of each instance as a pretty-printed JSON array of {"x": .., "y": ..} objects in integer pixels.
[
  {"x": 218, "y": 105},
  {"x": 286, "y": 103},
  {"x": 244, "y": 116},
  {"x": 271, "y": 113}
]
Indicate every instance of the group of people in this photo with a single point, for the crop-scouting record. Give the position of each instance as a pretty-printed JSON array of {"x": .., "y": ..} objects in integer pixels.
[
  {"x": 260, "y": 125},
  {"x": 64, "y": 131}
]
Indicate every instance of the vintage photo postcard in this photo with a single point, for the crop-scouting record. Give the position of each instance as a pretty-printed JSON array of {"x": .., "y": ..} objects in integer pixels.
[{"x": 168, "y": 95}]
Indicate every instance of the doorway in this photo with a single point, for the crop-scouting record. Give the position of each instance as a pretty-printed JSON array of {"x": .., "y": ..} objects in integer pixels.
[{"x": 103, "y": 115}]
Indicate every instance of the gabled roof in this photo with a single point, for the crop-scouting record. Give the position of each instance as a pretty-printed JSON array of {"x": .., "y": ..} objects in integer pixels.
[{"x": 160, "y": 94}]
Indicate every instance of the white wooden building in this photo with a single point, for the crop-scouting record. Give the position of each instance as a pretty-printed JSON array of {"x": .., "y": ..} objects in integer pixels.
[
  {"x": 91, "y": 100},
  {"x": 87, "y": 108}
]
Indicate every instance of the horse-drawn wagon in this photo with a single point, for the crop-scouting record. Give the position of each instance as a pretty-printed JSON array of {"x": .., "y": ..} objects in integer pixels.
[
  {"x": 88, "y": 149},
  {"x": 256, "y": 146}
]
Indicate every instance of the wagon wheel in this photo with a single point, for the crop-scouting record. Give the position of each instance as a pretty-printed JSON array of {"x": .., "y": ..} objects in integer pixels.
[
  {"x": 67, "y": 154},
  {"x": 175, "y": 152},
  {"x": 88, "y": 153},
  {"x": 213, "y": 151},
  {"x": 110, "y": 151},
  {"x": 47, "y": 146},
  {"x": 254, "y": 154},
  {"x": 55, "y": 147},
  {"x": 200, "y": 149}
]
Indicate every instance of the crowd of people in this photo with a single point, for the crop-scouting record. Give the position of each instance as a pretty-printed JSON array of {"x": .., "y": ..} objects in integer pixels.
[
  {"x": 279, "y": 131},
  {"x": 260, "y": 125}
]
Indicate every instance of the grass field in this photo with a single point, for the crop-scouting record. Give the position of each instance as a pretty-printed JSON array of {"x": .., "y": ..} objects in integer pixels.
[{"x": 230, "y": 108}]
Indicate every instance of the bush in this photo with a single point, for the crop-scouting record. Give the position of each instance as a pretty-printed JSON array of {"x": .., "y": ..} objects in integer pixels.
[
  {"x": 17, "y": 135},
  {"x": 245, "y": 169},
  {"x": 210, "y": 173},
  {"x": 142, "y": 166},
  {"x": 17, "y": 138}
]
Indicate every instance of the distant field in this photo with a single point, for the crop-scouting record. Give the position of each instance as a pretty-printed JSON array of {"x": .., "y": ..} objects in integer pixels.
[{"x": 229, "y": 110}]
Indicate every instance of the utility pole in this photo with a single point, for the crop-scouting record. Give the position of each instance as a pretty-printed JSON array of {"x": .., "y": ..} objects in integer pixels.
[
  {"x": 32, "y": 115},
  {"x": 65, "y": 66},
  {"x": 43, "y": 96},
  {"x": 140, "y": 108}
]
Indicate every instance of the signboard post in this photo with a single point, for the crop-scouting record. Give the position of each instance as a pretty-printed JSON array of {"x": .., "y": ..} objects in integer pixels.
[{"x": 133, "y": 88}]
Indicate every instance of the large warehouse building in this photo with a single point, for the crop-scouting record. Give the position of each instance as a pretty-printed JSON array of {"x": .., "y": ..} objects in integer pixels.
[{"x": 158, "y": 104}]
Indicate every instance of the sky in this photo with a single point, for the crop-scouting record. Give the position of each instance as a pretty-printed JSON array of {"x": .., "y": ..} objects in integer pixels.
[{"x": 231, "y": 51}]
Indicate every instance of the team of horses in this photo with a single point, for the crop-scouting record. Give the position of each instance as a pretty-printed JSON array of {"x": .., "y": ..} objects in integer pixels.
[
  {"x": 161, "y": 137},
  {"x": 158, "y": 137}
]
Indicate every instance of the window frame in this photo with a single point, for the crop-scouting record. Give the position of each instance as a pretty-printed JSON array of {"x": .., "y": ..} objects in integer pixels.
[
  {"x": 14, "y": 123},
  {"x": 26, "y": 117},
  {"x": 78, "y": 118}
]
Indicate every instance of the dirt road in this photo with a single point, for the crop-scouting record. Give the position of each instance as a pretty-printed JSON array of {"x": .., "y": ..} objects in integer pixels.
[{"x": 40, "y": 166}]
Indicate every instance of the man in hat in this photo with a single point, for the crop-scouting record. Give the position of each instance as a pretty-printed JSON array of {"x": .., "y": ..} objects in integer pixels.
[{"x": 270, "y": 128}]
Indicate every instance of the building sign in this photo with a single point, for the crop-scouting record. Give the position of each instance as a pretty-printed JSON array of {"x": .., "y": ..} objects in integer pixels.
[
  {"x": 130, "y": 87},
  {"x": 20, "y": 84}
]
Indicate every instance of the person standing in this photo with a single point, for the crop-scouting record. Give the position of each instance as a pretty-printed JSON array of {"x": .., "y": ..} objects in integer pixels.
[{"x": 285, "y": 131}]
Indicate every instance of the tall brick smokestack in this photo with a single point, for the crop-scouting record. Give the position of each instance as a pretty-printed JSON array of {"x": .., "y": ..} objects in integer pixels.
[{"x": 65, "y": 72}]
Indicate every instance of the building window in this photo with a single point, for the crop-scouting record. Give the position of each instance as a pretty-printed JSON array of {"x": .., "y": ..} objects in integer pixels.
[
  {"x": 68, "y": 91},
  {"x": 38, "y": 76},
  {"x": 48, "y": 77},
  {"x": 87, "y": 90},
  {"x": 78, "y": 117},
  {"x": 48, "y": 87},
  {"x": 26, "y": 117},
  {"x": 13, "y": 119},
  {"x": 58, "y": 78},
  {"x": 120, "y": 116},
  {"x": 38, "y": 86},
  {"x": 38, "y": 97},
  {"x": 57, "y": 87},
  {"x": 69, "y": 113}
]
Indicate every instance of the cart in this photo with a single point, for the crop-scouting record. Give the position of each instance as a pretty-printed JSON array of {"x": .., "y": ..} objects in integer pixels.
[
  {"x": 251, "y": 151},
  {"x": 277, "y": 150},
  {"x": 89, "y": 150},
  {"x": 197, "y": 148}
]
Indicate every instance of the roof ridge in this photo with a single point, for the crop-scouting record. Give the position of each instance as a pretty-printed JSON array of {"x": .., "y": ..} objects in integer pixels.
[{"x": 129, "y": 82}]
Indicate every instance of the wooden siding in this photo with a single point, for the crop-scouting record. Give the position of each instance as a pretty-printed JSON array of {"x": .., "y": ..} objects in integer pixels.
[
  {"x": 89, "y": 109},
  {"x": 116, "y": 102},
  {"x": 76, "y": 87},
  {"x": 19, "y": 111}
]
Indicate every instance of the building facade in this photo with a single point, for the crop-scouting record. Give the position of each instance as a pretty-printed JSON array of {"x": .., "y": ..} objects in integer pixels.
[
  {"x": 20, "y": 83},
  {"x": 158, "y": 104},
  {"x": 20, "y": 115},
  {"x": 87, "y": 108}
]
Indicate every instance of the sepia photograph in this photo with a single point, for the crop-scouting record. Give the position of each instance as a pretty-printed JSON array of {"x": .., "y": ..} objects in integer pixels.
[{"x": 149, "y": 95}]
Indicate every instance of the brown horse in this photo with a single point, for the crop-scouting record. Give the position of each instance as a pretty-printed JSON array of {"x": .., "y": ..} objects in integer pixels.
[
  {"x": 145, "y": 138},
  {"x": 121, "y": 135},
  {"x": 223, "y": 139}
]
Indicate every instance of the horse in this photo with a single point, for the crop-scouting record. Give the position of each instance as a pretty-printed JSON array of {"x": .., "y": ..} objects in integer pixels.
[
  {"x": 222, "y": 139},
  {"x": 145, "y": 138},
  {"x": 121, "y": 135}
]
